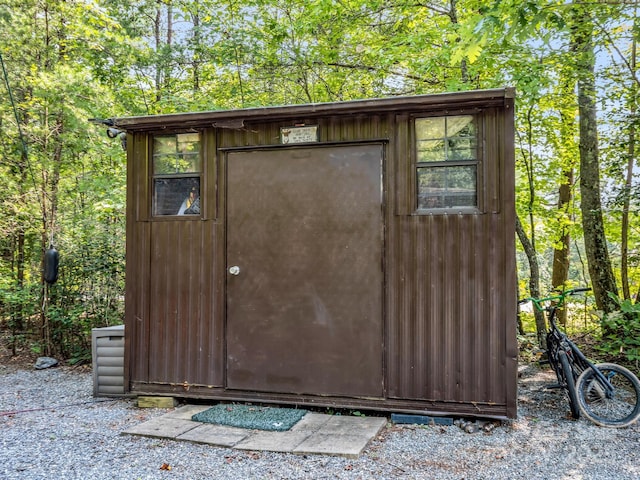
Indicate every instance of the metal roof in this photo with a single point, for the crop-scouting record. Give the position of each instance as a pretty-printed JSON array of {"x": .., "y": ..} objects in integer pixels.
[{"x": 236, "y": 118}]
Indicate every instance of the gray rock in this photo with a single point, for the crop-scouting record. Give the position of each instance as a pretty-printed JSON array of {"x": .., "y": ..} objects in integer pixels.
[{"x": 45, "y": 362}]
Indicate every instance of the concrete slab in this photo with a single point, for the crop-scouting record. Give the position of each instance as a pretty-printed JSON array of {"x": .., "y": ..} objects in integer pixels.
[
  {"x": 273, "y": 441},
  {"x": 217, "y": 435},
  {"x": 362, "y": 426},
  {"x": 311, "y": 422},
  {"x": 315, "y": 433},
  {"x": 343, "y": 436},
  {"x": 162, "y": 427},
  {"x": 350, "y": 446},
  {"x": 187, "y": 411}
]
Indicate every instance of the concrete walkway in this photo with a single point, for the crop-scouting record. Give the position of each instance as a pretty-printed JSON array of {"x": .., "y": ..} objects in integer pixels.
[{"x": 315, "y": 434}]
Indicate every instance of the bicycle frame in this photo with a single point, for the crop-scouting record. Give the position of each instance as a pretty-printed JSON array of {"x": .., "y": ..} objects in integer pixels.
[
  {"x": 590, "y": 388},
  {"x": 609, "y": 390},
  {"x": 555, "y": 335}
]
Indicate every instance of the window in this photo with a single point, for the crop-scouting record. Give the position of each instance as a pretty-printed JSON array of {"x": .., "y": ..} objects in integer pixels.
[
  {"x": 176, "y": 174},
  {"x": 446, "y": 162}
]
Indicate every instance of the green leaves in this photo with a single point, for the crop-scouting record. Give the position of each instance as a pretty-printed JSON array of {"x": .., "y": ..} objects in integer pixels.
[
  {"x": 69, "y": 61},
  {"x": 621, "y": 337}
]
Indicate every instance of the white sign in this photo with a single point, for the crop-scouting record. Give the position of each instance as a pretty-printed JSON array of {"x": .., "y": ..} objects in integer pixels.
[{"x": 306, "y": 134}]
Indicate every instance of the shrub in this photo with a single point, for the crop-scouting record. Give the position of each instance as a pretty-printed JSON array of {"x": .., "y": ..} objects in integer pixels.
[{"x": 621, "y": 331}]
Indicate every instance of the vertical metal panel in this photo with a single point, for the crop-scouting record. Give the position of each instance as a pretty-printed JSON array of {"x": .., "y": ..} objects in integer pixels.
[
  {"x": 137, "y": 261},
  {"x": 450, "y": 340},
  {"x": 174, "y": 314},
  {"x": 184, "y": 334},
  {"x": 450, "y": 278},
  {"x": 449, "y": 333},
  {"x": 505, "y": 135},
  {"x": 184, "y": 337},
  {"x": 402, "y": 167}
]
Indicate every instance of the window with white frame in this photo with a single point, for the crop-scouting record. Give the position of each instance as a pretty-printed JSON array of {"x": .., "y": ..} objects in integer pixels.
[{"x": 446, "y": 152}]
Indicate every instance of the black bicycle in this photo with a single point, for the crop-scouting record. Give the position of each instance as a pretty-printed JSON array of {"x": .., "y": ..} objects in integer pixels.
[{"x": 607, "y": 394}]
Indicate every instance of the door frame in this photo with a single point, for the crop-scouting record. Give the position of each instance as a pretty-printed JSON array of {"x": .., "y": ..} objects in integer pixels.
[{"x": 383, "y": 143}]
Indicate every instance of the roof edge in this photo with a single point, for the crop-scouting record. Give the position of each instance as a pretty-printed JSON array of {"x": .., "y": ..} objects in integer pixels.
[{"x": 235, "y": 118}]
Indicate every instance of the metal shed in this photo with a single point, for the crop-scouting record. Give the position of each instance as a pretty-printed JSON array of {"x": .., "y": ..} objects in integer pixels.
[{"x": 353, "y": 254}]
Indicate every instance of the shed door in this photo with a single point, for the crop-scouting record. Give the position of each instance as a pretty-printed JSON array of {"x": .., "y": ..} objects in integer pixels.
[{"x": 304, "y": 305}]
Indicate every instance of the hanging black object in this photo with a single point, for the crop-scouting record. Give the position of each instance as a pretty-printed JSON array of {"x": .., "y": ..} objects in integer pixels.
[{"x": 51, "y": 260}]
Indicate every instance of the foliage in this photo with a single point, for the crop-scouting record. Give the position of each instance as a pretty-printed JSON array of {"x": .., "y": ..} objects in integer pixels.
[
  {"x": 621, "y": 335},
  {"x": 74, "y": 60},
  {"x": 66, "y": 188}
]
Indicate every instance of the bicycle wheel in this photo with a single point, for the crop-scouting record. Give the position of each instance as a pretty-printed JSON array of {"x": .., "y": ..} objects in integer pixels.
[
  {"x": 570, "y": 385},
  {"x": 622, "y": 409}
]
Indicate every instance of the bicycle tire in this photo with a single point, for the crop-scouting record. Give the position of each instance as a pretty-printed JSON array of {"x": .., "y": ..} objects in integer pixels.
[
  {"x": 620, "y": 411},
  {"x": 569, "y": 383}
]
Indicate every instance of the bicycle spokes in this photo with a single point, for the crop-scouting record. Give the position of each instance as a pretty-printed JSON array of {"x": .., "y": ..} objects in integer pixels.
[{"x": 612, "y": 401}]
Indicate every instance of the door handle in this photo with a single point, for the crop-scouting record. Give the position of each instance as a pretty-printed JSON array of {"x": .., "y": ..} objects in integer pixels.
[{"x": 235, "y": 270}]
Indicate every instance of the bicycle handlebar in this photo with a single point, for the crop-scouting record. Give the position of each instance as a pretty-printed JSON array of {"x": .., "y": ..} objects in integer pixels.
[
  {"x": 573, "y": 291},
  {"x": 561, "y": 296}
]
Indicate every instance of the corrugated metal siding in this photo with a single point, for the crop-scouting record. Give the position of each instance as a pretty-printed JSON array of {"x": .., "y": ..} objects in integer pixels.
[
  {"x": 447, "y": 339},
  {"x": 451, "y": 287},
  {"x": 137, "y": 262},
  {"x": 449, "y": 325},
  {"x": 175, "y": 270},
  {"x": 180, "y": 278}
]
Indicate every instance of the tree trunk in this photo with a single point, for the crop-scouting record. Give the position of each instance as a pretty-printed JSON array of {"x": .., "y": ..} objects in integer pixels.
[
  {"x": 534, "y": 281},
  {"x": 631, "y": 151},
  {"x": 197, "y": 50},
  {"x": 158, "y": 47},
  {"x": 600, "y": 270},
  {"x": 453, "y": 15},
  {"x": 567, "y": 148},
  {"x": 560, "y": 271}
]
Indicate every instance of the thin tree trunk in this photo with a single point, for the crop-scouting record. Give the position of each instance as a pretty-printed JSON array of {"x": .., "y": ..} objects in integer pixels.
[
  {"x": 560, "y": 271},
  {"x": 197, "y": 47},
  {"x": 453, "y": 15},
  {"x": 624, "y": 233},
  {"x": 534, "y": 280},
  {"x": 18, "y": 320},
  {"x": 168, "y": 74},
  {"x": 561, "y": 254},
  {"x": 158, "y": 45},
  {"x": 600, "y": 269}
]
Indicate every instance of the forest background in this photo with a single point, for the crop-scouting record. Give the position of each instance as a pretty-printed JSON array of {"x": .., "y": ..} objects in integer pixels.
[{"x": 62, "y": 180}]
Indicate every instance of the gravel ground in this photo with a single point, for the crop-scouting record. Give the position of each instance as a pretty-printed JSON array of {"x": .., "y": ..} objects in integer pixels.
[{"x": 51, "y": 427}]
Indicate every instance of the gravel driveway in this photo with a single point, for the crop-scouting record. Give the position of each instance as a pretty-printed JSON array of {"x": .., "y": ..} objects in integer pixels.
[{"x": 51, "y": 427}]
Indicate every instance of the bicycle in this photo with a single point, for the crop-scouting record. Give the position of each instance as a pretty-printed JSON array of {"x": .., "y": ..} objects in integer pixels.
[{"x": 606, "y": 393}]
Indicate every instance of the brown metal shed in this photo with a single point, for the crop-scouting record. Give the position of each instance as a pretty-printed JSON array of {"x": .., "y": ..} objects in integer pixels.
[{"x": 351, "y": 254}]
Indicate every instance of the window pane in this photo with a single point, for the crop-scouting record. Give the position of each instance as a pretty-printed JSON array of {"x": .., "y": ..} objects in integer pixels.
[
  {"x": 446, "y": 187},
  {"x": 431, "y": 150},
  {"x": 430, "y": 128},
  {"x": 461, "y": 149},
  {"x": 174, "y": 154},
  {"x": 176, "y": 196},
  {"x": 461, "y": 135},
  {"x": 446, "y": 138},
  {"x": 461, "y": 126},
  {"x": 164, "y": 145}
]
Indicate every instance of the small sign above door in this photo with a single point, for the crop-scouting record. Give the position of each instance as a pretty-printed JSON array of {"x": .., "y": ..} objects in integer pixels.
[{"x": 299, "y": 134}]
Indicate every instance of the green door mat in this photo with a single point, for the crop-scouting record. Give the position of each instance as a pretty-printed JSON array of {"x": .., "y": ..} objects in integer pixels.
[{"x": 251, "y": 417}]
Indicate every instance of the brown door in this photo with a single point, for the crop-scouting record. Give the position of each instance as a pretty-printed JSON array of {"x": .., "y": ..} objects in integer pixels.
[{"x": 304, "y": 270}]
